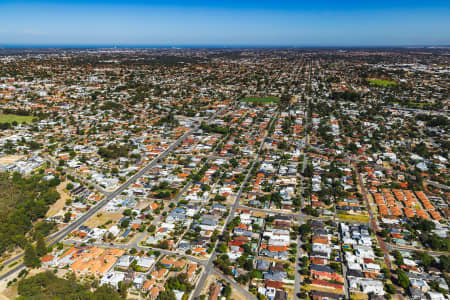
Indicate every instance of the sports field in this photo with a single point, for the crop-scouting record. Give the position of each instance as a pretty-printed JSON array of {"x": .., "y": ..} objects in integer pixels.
[
  {"x": 381, "y": 82},
  {"x": 261, "y": 100},
  {"x": 8, "y": 118}
]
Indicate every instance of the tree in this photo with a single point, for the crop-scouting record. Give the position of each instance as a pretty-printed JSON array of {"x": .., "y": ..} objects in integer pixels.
[
  {"x": 46, "y": 285},
  {"x": 391, "y": 288},
  {"x": 402, "y": 279},
  {"x": 426, "y": 259},
  {"x": 226, "y": 291},
  {"x": 308, "y": 170},
  {"x": 125, "y": 223},
  {"x": 353, "y": 148},
  {"x": 26, "y": 201},
  {"x": 166, "y": 295},
  {"x": 30, "y": 258},
  {"x": 242, "y": 279},
  {"x": 422, "y": 224},
  {"x": 304, "y": 229},
  {"x": 445, "y": 262},
  {"x": 67, "y": 217},
  {"x": 106, "y": 292},
  {"x": 151, "y": 228},
  {"x": 307, "y": 247},
  {"x": 285, "y": 99},
  {"x": 336, "y": 267},
  {"x": 164, "y": 244},
  {"x": 123, "y": 289},
  {"x": 205, "y": 187},
  {"x": 398, "y": 257},
  {"x": 222, "y": 248},
  {"x": 41, "y": 248},
  {"x": 386, "y": 273}
]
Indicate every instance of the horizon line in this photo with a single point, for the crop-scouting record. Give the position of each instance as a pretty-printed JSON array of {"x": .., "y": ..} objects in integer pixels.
[{"x": 222, "y": 46}]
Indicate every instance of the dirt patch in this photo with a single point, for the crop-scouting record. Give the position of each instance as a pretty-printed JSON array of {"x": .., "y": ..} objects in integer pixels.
[
  {"x": 7, "y": 293},
  {"x": 102, "y": 217},
  {"x": 56, "y": 207},
  {"x": 143, "y": 204},
  {"x": 11, "y": 292},
  {"x": 323, "y": 289},
  {"x": 359, "y": 296},
  {"x": 210, "y": 280},
  {"x": 290, "y": 290},
  {"x": 230, "y": 200},
  {"x": 236, "y": 295},
  {"x": 9, "y": 159},
  {"x": 259, "y": 214}
]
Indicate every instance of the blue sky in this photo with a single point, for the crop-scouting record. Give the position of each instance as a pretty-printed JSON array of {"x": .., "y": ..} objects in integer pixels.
[{"x": 223, "y": 23}]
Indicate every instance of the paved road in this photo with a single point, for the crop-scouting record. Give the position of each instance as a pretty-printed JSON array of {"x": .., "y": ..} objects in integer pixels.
[
  {"x": 235, "y": 285},
  {"x": 298, "y": 280},
  {"x": 418, "y": 111},
  {"x": 177, "y": 198},
  {"x": 373, "y": 221},
  {"x": 209, "y": 266},
  {"x": 344, "y": 272},
  {"x": 391, "y": 247},
  {"x": 300, "y": 214},
  {"x": 57, "y": 237},
  {"x": 11, "y": 260},
  {"x": 60, "y": 235},
  {"x": 157, "y": 218},
  {"x": 270, "y": 211}
]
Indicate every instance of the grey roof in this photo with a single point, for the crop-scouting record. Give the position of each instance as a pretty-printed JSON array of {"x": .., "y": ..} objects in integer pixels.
[
  {"x": 321, "y": 268},
  {"x": 218, "y": 206},
  {"x": 273, "y": 276},
  {"x": 176, "y": 216},
  {"x": 262, "y": 264},
  {"x": 209, "y": 222}
]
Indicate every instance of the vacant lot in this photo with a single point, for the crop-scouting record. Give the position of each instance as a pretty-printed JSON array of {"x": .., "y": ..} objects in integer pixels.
[
  {"x": 261, "y": 99},
  {"x": 381, "y": 82},
  {"x": 56, "y": 207},
  {"x": 7, "y": 118},
  {"x": 9, "y": 159},
  {"x": 354, "y": 218},
  {"x": 310, "y": 287},
  {"x": 102, "y": 217},
  {"x": 359, "y": 296}
]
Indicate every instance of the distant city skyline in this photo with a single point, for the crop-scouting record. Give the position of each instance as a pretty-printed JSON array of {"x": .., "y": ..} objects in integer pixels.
[{"x": 229, "y": 23}]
